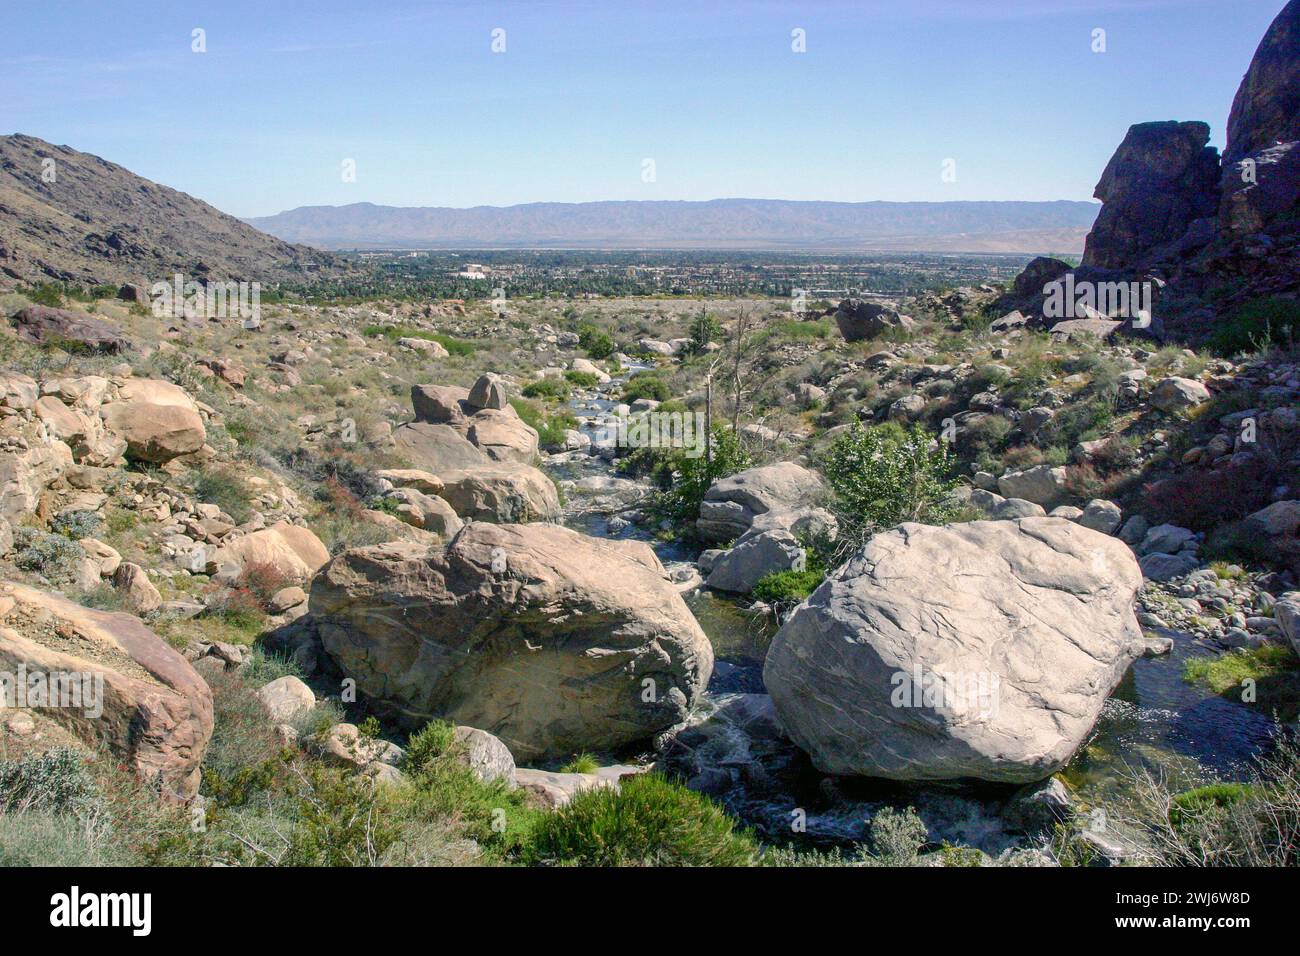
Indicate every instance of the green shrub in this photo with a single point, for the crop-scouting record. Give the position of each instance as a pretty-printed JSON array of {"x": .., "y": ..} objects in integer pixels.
[
  {"x": 885, "y": 475},
  {"x": 442, "y": 784},
  {"x": 788, "y": 587},
  {"x": 646, "y": 385},
  {"x": 76, "y": 524},
  {"x": 453, "y": 346},
  {"x": 581, "y": 763},
  {"x": 648, "y": 821},
  {"x": 795, "y": 329},
  {"x": 1257, "y": 325},
  {"x": 1207, "y": 799},
  {"x": 685, "y": 480},
  {"x": 51, "y": 555},
  {"x": 45, "y": 293},
  {"x": 595, "y": 342},
  {"x": 550, "y": 431},
  {"x": 553, "y": 389},
  {"x": 56, "y": 781},
  {"x": 582, "y": 379}
]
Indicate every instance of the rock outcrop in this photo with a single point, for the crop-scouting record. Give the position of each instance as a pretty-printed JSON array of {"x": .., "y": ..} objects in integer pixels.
[
  {"x": 981, "y": 650},
  {"x": 158, "y": 420},
  {"x": 295, "y": 554},
  {"x": 732, "y": 504},
  {"x": 156, "y": 710},
  {"x": 1162, "y": 177},
  {"x": 62, "y": 328},
  {"x": 555, "y": 642},
  {"x": 859, "y": 320}
]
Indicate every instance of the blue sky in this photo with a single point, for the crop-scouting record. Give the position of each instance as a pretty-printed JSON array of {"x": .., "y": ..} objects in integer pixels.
[{"x": 585, "y": 91}]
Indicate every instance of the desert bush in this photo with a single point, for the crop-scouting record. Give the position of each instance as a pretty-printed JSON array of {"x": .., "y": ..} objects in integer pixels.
[
  {"x": 1256, "y": 325},
  {"x": 51, "y": 555},
  {"x": 582, "y": 379},
  {"x": 648, "y": 821},
  {"x": 1203, "y": 499},
  {"x": 550, "y": 429},
  {"x": 646, "y": 385},
  {"x": 1255, "y": 822},
  {"x": 392, "y": 333},
  {"x": 550, "y": 389},
  {"x": 56, "y": 781},
  {"x": 263, "y": 579},
  {"x": 595, "y": 342},
  {"x": 76, "y": 524},
  {"x": 442, "y": 784},
  {"x": 225, "y": 488},
  {"x": 885, "y": 475},
  {"x": 684, "y": 480}
]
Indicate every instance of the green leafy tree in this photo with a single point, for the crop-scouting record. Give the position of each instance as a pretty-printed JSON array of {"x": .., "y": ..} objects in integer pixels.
[
  {"x": 885, "y": 475},
  {"x": 686, "y": 479}
]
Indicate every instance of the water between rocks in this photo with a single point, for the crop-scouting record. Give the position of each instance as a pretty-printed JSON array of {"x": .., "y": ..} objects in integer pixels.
[{"x": 1155, "y": 721}]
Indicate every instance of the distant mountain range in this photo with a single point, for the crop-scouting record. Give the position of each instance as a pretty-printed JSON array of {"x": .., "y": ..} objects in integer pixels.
[
  {"x": 758, "y": 224},
  {"x": 73, "y": 217}
]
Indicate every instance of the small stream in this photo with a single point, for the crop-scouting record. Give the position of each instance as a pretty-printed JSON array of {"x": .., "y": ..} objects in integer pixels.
[{"x": 1154, "y": 721}]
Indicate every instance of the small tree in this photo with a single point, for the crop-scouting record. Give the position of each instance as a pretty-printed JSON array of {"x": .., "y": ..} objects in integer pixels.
[
  {"x": 688, "y": 478},
  {"x": 885, "y": 475}
]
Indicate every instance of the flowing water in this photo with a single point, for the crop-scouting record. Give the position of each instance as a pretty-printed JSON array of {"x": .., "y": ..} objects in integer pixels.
[{"x": 1155, "y": 721}]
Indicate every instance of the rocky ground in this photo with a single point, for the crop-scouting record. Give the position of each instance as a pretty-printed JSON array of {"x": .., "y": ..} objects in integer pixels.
[{"x": 394, "y": 582}]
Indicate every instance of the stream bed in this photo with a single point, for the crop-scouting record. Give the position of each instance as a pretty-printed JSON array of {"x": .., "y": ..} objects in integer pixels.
[{"x": 1154, "y": 722}]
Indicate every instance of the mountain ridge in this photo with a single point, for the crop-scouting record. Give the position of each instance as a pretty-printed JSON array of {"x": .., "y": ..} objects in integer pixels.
[{"x": 739, "y": 223}]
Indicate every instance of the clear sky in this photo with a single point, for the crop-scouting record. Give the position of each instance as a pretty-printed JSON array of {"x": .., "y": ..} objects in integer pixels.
[{"x": 711, "y": 91}]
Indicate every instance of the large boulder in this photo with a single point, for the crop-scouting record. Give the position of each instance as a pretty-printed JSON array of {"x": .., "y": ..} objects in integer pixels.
[
  {"x": 488, "y": 392},
  {"x": 30, "y": 461},
  {"x": 731, "y": 504},
  {"x": 436, "y": 447},
  {"x": 440, "y": 404},
  {"x": 1162, "y": 178},
  {"x": 153, "y": 711},
  {"x": 1043, "y": 484},
  {"x": 292, "y": 553},
  {"x": 858, "y": 319},
  {"x": 158, "y": 420},
  {"x": 978, "y": 650},
  {"x": 1175, "y": 394},
  {"x": 503, "y": 494},
  {"x": 1034, "y": 278},
  {"x": 82, "y": 431},
  {"x": 502, "y": 435},
  {"x": 753, "y": 559},
  {"x": 555, "y": 642},
  {"x": 43, "y": 325}
]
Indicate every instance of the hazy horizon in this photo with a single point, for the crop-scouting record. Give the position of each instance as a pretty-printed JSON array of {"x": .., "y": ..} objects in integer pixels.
[{"x": 717, "y": 99}]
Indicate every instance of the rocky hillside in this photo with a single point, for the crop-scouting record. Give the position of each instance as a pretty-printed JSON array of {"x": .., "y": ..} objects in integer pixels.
[{"x": 67, "y": 216}]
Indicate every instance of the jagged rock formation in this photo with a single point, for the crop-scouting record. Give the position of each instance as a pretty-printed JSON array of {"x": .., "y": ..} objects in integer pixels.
[
  {"x": 1177, "y": 219},
  {"x": 1161, "y": 179}
]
